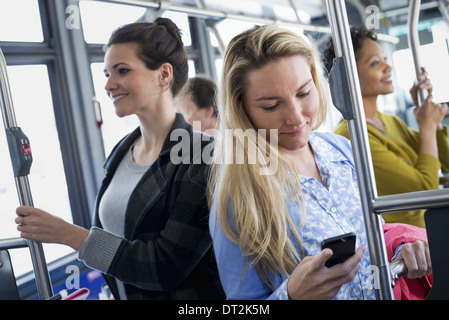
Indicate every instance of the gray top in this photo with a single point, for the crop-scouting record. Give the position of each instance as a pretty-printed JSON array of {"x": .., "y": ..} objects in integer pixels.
[
  {"x": 115, "y": 200},
  {"x": 112, "y": 215}
]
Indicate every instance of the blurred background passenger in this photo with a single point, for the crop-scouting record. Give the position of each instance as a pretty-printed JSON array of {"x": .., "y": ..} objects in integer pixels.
[
  {"x": 404, "y": 160},
  {"x": 197, "y": 102}
]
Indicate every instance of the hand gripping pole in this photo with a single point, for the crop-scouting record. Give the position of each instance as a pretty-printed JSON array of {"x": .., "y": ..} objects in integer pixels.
[{"x": 21, "y": 158}]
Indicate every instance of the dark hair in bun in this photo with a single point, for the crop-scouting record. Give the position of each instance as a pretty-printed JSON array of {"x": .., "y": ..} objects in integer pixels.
[{"x": 159, "y": 42}]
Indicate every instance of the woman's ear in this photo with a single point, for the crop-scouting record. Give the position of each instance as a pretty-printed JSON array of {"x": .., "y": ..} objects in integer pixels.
[{"x": 165, "y": 75}]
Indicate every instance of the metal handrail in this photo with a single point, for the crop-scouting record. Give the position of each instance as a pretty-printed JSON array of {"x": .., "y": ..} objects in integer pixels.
[
  {"x": 23, "y": 187},
  {"x": 398, "y": 269},
  {"x": 410, "y": 201},
  {"x": 13, "y": 243}
]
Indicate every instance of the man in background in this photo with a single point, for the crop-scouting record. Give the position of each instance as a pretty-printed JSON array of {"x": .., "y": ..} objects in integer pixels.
[{"x": 197, "y": 102}]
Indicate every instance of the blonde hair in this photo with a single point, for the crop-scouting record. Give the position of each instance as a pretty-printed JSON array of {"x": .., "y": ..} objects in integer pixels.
[{"x": 261, "y": 222}]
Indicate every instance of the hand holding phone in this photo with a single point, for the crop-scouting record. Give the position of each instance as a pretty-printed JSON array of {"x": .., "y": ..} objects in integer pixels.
[{"x": 342, "y": 246}]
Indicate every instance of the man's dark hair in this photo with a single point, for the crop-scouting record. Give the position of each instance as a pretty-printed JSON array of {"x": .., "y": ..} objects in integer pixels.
[{"x": 203, "y": 92}]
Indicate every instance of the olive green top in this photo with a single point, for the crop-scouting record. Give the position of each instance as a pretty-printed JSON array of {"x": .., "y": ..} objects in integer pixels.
[{"x": 398, "y": 165}]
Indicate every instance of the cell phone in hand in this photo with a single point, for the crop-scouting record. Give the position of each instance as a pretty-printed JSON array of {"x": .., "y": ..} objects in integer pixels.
[{"x": 342, "y": 246}]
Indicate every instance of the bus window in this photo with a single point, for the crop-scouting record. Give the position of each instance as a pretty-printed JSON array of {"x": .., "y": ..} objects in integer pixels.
[
  {"x": 219, "y": 67},
  {"x": 99, "y": 19},
  {"x": 192, "y": 72},
  {"x": 244, "y": 7},
  {"x": 213, "y": 39},
  {"x": 20, "y": 21},
  {"x": 434, "y": 57},
  {"x": 229, "y": 28},
  {"x": 30, "y": 90},
  {"x": 182, "y": 21}
]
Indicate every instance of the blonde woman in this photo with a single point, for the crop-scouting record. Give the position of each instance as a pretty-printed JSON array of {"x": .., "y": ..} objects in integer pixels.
[{"x": 267, "y": 228}]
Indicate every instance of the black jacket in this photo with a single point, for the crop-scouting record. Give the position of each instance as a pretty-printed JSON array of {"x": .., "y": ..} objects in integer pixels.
[{"x": 167, "y": 251}]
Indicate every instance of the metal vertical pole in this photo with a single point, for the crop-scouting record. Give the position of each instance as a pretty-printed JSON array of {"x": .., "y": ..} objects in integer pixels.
[
  {"x": 413, "y": 41},
  {"x": 22, "y": 184},
  {"x": 362, "y": 155}
]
